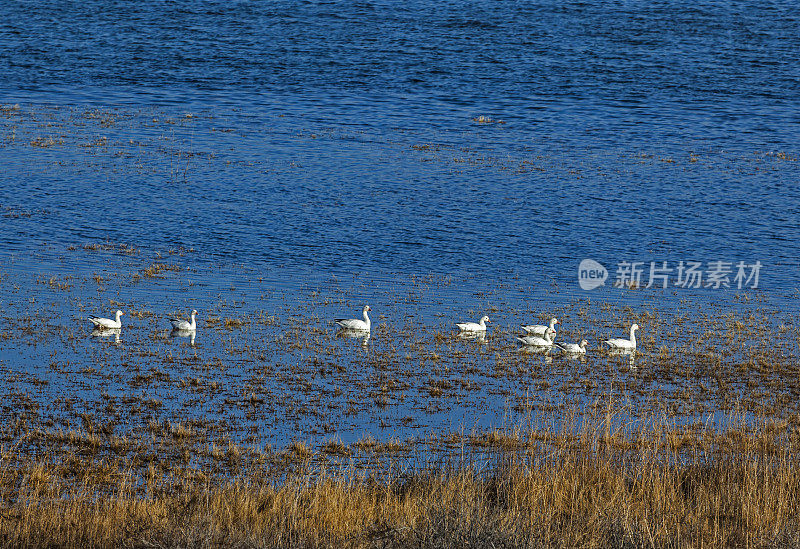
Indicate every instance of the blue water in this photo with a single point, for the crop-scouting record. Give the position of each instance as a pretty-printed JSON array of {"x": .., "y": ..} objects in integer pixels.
[
  {"x": 339, "y": 146},
  {"x": 647, "y": 132}
]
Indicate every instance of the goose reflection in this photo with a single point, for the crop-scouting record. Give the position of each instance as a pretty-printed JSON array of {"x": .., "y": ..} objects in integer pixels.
[
  {"x": 478, "y": 337},
  {"x": 630, "y": 353},
  {"x": 364, "y": 335},
  {"x": 535, "y": 350},
  {"x": 541, "y": 351},
  {"x": 185, "y": 333},
  {"x": 107, "y": 332},
  {"x": 575, "y": 357}
]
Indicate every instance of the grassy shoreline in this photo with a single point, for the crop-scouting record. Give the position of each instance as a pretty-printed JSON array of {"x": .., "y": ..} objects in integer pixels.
[{"x": 648, "y": 485}]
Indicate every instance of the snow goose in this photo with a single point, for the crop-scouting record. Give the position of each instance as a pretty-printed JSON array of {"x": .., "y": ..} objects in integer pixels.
[
  {"x": 355, "y": 323},
  {"x": 540, "y": 329},
  {"x": 107, "y": 323},
  {"x": 536, "y": 341},
  {"x": 474, "y": 326},
  {"x": 624, "y": 344},
  {"x": 179, "y": 324},
  {"x": 574, "y": 348}
]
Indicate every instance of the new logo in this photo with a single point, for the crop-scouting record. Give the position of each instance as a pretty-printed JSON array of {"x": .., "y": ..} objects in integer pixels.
[{"x": 591, "y": 274}]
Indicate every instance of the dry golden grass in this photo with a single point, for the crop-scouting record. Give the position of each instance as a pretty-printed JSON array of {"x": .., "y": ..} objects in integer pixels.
[{"x": 651, "y": 484}]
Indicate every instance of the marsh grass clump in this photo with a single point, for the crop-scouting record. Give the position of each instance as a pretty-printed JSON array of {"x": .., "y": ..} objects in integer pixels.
[
  {"x": 300, "y": 450},
  {"x": 157, "y": 270},
  {"x": 107, "y": 246},
  {"x": 335, "y": 447},
  {"x": 232, "y": 323},
  {"x": 45, "y": 142},
  {"x": 179, "y": 431},
  {"x": 482, "y": 119},
  {"x": 55, "y": 283},
  {"x": 497, "y": 438}
]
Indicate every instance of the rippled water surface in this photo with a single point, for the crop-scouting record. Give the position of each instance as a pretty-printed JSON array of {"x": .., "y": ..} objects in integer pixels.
[{"x": 275, "y": 165}]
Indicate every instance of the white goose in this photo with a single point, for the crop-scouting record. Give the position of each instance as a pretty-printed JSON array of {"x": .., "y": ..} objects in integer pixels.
[
  {"x": 107, "y": 323},
  {"x": 536, "y": 341},
  {"x": 540, "y": 329},
  {"x": 479, "y": 326},
  {"x": 355, "y": 323},
  {"x": 574, "y": 348},
  {"x": 178, "y": 324},
  {"x": 625, "y": 344}
]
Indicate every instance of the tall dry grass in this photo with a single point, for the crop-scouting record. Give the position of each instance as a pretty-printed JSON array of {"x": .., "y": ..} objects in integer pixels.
[{"x": 646, "y": 484}]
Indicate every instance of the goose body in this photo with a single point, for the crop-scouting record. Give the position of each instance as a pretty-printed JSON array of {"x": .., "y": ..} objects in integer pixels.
[
  {"x": 540, "y": 329},
  {"x": 624, "y": 344},
  {"x": 356, "y": 323},
  {"x": 573, "y": 348},
  {"x": 536, "y": 341},
  {"x": 479, "y": 326},
  {"x": 107, "y": 323},
  {"x": 180, "y": 324}
]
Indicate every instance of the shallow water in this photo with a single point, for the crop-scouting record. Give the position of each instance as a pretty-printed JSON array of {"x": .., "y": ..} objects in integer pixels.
[
  {"x": 267, "y": 366},
  {"x": 291, "y": 162}
]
